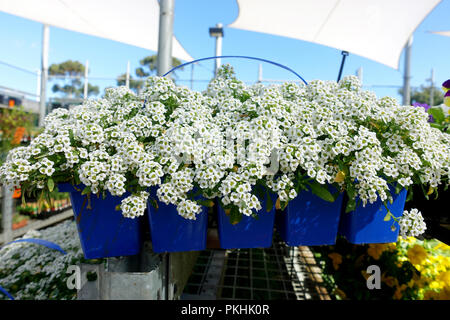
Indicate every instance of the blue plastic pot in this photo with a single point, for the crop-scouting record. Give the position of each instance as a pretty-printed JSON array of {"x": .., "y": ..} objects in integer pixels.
[
  {"x": 103, "y": 230},
  {"x": 367, "y": 225},
  {"x": 249, "y": 232},
  {"x": 170, "y": 232},
  {"x": 309, "y": 220}
]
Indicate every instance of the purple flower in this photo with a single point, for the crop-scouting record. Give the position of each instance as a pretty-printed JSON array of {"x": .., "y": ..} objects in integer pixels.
[
  {"x": 423, "y": 105},
  {"x": 447, "y": 97},
  {"x": 446, "y": 85},
  {"x": 426, "y": 107}
]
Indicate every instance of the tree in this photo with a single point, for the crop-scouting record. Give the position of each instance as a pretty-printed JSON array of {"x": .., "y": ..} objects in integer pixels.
[
  {"x": 422, "y": 95},
  {"x": 135, "y": 84},
  {"x": 10, "y": 120},
  {"x": 148, "y": 67},
  {"x": 69, "y": 79}
]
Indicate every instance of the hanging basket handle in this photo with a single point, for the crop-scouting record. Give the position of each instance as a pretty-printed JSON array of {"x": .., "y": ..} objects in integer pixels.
[{"x": 244, "y": 57}]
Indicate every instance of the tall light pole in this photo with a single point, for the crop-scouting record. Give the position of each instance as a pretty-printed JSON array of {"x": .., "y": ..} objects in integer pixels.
[
  {"x": 164, "y": 59},
  {"x": 163, "y": 65},
  {"x": 44, "y": 74},
  {"x": 86, "y": 84},
  {"x": 217, "y": 32},
  {"x": 407, "y": 74},
  {"x": 127, "y": 75},
  {"x": 431, "y": 87}
]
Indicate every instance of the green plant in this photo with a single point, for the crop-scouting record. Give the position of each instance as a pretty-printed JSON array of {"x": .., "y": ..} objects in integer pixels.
[
  {"x": 410, "y": 269},
  {"x": 10, "y": 120}
]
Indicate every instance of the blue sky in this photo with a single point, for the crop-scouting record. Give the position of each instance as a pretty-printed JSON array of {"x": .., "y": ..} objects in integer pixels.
[{"x": 21, "y": 46}]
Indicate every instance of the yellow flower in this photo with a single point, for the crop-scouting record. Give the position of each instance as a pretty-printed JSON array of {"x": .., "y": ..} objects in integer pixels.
[
  {"x": 340, "y": 176},
  {"x": 408, "y": 240},
  {"x": 441, "y": 246},
  {"x": 444, "y": 294},
  {"x": 430, "y": 295},
  {"x": 399, "y": 292},
  {"x": 337, "y": 259},
  {"x": 444, "y": 277},
  {"x": 417, "y": 254},
  {"x": 376, "y": 249},
  {"x": 435, "y": 285},
  {"x": 389, "y": 280}
]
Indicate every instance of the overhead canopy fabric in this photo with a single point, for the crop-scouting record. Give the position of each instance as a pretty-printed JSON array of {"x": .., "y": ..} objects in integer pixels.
[
  {"x": 377, "y": 30},
  {"x": 133, "y": 22},
  {"x": 442, "y": 33}
]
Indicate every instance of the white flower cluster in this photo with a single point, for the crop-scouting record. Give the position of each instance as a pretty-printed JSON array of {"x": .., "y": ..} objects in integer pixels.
[
  {"x": 411, "y": 223},
  {"x": 232, "y": 137},
  {"x": 134, "y": 205},
  {"x": 98, "y": 144},
  {"x": 34, "y": 272}
]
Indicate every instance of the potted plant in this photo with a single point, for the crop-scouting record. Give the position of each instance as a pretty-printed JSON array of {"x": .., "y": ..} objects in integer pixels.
[
  {"x": 430, "y": 200},
  {"x": 98, "y": 149},
  {"x": 402, "y": 150}
]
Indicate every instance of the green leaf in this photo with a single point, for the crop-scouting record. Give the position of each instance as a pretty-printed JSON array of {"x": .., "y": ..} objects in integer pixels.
[
  {"x": 336, "y": 195},
  {"x": 235, "y": 216},
  {"x": 398, "y": 188},
  {"x": 23, "y": 197},
  {"x": 269, "y": 203},
  {"x": 154, "y": 203},
  {"x": 438, "y": 114},
  {"x": 206, "y": 203},
  {"x": 410, "y": 195},
  {"x": 321, "y": 191},
  {"x": 351, "y": 205},
  {"x": 284, "y": 205},
  {"x": 387, "y": 217},
  {"x": 436, "y": 125},
  {"x": 424, "y": 192},
  {"x": 86, "y": 191},
  {"x": 50, "y": 184},
  {"x": 117, "y": 208},
  {"x": 259, "y": 192}
]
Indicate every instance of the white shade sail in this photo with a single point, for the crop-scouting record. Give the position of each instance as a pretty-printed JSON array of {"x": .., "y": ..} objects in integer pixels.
[
  {"x": 442, "y": 33},
  {"x": 377, "y": 30},
  {"x": 133, "y": 22}
]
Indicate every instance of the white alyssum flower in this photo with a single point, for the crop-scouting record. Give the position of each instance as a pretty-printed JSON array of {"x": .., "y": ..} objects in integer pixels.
[{"x": 412, "y": 223}]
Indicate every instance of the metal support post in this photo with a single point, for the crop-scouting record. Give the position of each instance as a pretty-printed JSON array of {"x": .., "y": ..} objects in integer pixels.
[
  {"x": 86, "y": 72},
  {"x": 44, "y": 74},
  {"x": 7, "y": 213},
  {"x": 407, "y": 74},
  {"x": 127, "y": 77},
  {"x": 164, "y": 64},
  {"x": 218, "y": 50},
  {"x": 164, "y": 60},
  {"x": 344, "y": 55}
]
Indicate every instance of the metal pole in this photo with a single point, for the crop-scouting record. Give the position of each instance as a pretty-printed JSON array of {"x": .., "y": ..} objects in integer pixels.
[
  {"x": 127, "y": 78},
  {"x": 432, "y": 88},
  {"x": 38, "y": 85},
  {"x": 407, "y": 74},
  {"x": 164, "y": 63},
  {"x": 260, "y": 73},
  {"x": 359, "y": 74},
  {"x": 218, "y": 51},
  {"x": 344, "y": 55},
  {"x": 86, "y": 71},
  {"x": 192, "y": 76},
  {"x": 7, "y": 213},
  {"x": 164, "y": 60},
  {"x": 44, "y": 74}
]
